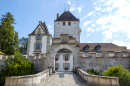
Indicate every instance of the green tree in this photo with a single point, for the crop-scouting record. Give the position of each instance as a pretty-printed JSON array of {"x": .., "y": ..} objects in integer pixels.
[
  {"x": 7, "y": 37},
  {"x": 16, "y": 42},
  {"x": 119, "y": 71},
  {"x": 10, "y": 16},
  {"x": 23, "y": 44},
  {"x": 17, "y": 66}
]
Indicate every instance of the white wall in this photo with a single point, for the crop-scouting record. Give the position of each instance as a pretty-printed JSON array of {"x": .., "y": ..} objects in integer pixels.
[
  {"x": 31, "y": 45},
  {"x": 44, "y": 44},
  {"x": 61, "y": 61},
  {"x": 73, "y": 30}
]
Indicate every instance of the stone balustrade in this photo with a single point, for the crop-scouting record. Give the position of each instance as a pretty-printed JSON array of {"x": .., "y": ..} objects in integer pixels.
[
  {"x": 28, "y": 80},
  {"x": 96, "y": 80}
]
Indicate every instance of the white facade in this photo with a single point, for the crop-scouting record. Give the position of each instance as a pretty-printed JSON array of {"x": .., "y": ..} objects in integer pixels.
[
  {"x": 72, "y": 30},
  {"x": 45, "y": 41}
]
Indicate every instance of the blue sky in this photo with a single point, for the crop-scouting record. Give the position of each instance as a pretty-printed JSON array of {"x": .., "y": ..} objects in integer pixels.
[{"x": 101, "y": 21}]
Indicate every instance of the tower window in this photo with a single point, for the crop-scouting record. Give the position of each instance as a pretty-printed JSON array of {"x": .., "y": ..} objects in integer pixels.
[
  {"x": 63, "y": 23},
  {"x": 69, "y": 23}
]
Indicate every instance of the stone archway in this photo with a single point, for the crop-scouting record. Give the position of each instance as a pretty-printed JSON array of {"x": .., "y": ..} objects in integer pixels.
[
  {"x": 50, "y": 59},
  {"x": 64, "y": 60}
]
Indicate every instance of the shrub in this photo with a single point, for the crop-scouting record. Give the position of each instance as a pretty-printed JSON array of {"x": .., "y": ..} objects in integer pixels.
[
  {"x": 17, "y": 66},
  {"x": 119, "y": 71},
  {"x": 91, "y": 71}
]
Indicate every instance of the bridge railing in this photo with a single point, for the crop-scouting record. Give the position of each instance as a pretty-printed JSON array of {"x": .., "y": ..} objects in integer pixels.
[
  {"x": 28, "y": 80},
  {"x": 96, "y": 80}
]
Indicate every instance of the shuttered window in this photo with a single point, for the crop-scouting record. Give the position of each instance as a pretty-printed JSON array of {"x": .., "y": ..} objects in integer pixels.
[
  {"x": 38, "y": 36},
  {"x": 66, "y": 65},
  {"x": 38, "y": 46}
]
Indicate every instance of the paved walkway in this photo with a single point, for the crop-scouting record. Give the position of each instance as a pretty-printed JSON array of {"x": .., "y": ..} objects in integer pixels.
[{"x": 69, "y": 79}]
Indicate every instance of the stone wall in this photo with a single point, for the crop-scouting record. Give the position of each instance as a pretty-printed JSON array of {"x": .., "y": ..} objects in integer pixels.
[
  {"x": 102, "y": 63},
  {"x": 28, "y": 80},
  {"x": 95, "y": 80}
]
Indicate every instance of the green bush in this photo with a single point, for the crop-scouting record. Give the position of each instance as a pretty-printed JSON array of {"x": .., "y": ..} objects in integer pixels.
[
  {"x": 119, "y": 71},
  {"x": 91, "y": 71},
  {"x": 17, "y": 66}
]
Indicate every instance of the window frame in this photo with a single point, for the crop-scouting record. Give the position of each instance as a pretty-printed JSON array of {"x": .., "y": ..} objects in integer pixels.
[
  {"x": 38, "y": 36},
  {"x": 69, "y": 23},
  {"x": 86, "y": 47},
  {"x": 38, "y": 47},
  {"x": 100, "y": 54},
  {"x": 63, "y": 23}
]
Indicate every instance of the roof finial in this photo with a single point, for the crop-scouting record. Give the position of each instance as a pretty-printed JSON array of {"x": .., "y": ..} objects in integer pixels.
[
  {"x": 65, "y": 7},
  {"x": 68, "y": 7}
]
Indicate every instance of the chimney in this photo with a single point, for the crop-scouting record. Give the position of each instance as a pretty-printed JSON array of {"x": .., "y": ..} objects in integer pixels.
[
  {"x": 40, "y": 22},
  {"x": 57, "y": 15}
]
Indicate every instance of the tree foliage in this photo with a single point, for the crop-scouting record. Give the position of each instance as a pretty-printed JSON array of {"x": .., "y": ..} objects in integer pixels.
[
  {"x": 7, "y": 37},
  {"x": 16, "y": 41},
  {"x": 119, "y": 71},
  {"x": 17, "y": 66},
  {"x": 9, "y": 42},
  {"x": 23, "y": 44}
]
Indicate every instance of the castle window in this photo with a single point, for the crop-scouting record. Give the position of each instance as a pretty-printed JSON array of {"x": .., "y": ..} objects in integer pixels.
[
  {"x": 69, "y": 23},
  {"x": 63, "y": 23},
  {"x": 98, "y": 55},
  {"x": 98, "y": 47},
  {"x": 66, "y": 65},
  {"x": 86, "y": 48},
  {"x": 38, "y": 46},
  {"x": 86, "y": 55},
  {"x": 38, "y": 36}
]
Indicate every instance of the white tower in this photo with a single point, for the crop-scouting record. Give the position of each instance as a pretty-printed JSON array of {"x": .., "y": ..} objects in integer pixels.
[{"x": 67, "y": 23}]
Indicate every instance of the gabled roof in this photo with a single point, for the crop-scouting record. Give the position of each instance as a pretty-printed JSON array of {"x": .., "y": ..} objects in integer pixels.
[
  {"x": 67, "y": 16},
  {"x": 44, "y": 28},
  {"x": 104, "y": 47}
]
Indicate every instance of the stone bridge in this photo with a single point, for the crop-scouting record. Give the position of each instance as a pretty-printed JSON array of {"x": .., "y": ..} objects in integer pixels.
[{"x": 46, "y": 78}]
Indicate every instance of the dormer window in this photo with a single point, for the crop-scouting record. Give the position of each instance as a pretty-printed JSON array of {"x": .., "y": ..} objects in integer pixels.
[
  {"x": 63, "y": 23},
  {"x": 98, "y": 47},
  {"x": 38, "y": 36},
  {"x": 69, "y": 23},
  {"x": 86, "y": 48}
]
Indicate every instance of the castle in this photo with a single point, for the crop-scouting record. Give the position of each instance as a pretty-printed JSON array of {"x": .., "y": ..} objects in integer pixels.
[{"x": 64, "y": 52}]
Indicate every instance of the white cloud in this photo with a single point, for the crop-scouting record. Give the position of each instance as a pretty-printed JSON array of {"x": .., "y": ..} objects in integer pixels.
[
  {"x": 69, "y": 2},
  {"x": 72, "y": 8},
  {"x": 49, "y": 26},
  {"x": 89, "y": 29},
  {"x": 93, "y": 25},
  {"x": 122, "y": 43},
  {"x": 97, "y": 8},
  {"x": 86, "y": 23},
  {"x": 79, "y": 9},
  {"x": 89, "y": 42},
  {"x": 89, "y": 14},
  {"x": 116, "y": 18}
]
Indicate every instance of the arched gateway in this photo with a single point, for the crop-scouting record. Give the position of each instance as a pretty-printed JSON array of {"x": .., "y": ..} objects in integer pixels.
[
  {"x": 63, "y": 56},
  {"x": 64, "y": 60}
]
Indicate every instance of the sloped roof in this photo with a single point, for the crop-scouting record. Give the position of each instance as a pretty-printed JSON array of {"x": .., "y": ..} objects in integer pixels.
[
  {"x": 67, "y": 16},
  {"x": 104, "y": 47},
  {"x": 44, "y": 28}
]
